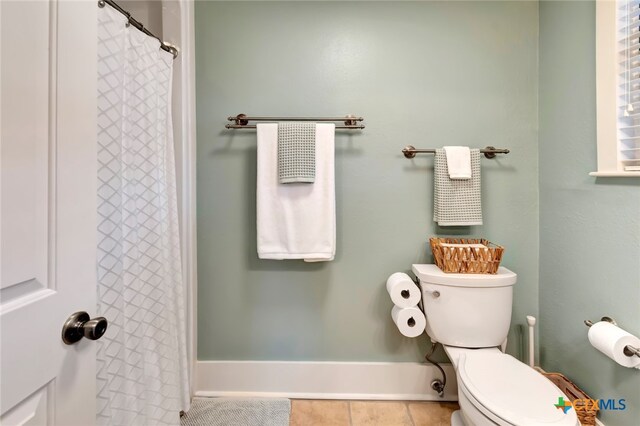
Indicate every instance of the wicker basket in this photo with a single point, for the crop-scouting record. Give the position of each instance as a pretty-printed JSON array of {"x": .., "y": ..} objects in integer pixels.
[
  {"x": 586, "y": 413},
  {"x": 466, "y": 260}
]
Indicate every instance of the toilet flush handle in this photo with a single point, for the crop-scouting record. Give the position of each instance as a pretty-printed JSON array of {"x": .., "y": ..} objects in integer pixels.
[{"x": 434, "y": 293}]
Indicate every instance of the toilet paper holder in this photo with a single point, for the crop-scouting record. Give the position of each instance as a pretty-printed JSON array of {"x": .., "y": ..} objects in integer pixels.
[{"x": 628, "y": 350}]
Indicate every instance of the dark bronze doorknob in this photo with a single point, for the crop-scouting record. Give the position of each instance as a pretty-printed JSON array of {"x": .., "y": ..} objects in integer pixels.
[{"x": 80, "y": 325}]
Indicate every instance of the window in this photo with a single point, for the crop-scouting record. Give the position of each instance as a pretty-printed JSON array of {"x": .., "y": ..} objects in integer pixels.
[{"x": 618, "y": 87}]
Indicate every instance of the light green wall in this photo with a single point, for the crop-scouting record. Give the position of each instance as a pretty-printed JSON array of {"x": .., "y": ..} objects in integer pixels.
[
  {"x": 589, "y": 228},
  {"x": 422, "y": 73}
]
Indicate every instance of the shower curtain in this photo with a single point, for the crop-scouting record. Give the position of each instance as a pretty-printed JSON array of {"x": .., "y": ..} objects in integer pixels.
[{"x": 142, "y": 359}]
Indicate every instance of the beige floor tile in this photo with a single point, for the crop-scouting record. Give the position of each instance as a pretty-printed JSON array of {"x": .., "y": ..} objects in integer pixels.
[
  {"x": 319, "y": 413},
  {"x": 432, "y": 413},
  {"x": 374, "y": 413}
]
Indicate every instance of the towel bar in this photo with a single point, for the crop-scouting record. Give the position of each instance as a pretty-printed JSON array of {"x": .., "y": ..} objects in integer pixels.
[
  {"x": 242, "y": 121},
  {"x": 489, "y": 152}
]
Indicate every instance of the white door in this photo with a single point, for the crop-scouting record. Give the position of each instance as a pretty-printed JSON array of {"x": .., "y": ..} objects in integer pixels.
[{"x": 48, "y": 209}]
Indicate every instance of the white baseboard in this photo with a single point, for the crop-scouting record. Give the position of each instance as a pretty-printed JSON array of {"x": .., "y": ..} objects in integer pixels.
[{"x": 323, "y": 380}]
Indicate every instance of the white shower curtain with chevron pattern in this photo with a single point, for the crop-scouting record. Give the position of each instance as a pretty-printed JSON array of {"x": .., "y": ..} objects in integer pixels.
[{"x": 142, "y": 359}]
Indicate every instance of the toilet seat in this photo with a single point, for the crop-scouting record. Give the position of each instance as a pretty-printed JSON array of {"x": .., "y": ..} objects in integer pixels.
[{"x": 509, "y": 392}]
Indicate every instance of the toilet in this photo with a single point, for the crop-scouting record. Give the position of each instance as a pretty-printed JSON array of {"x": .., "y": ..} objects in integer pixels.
[{"x": 470, "y": 314}]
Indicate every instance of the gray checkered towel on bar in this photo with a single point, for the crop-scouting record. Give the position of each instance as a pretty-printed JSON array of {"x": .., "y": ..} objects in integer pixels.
[
  {"x": 297, "y": 152},
  {"x": 456, "y": 202}
]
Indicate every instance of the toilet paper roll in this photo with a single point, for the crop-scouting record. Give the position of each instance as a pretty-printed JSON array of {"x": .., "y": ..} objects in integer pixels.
[
  {"x": 403, "y": 291},
  {"x": 611, "y": 340},
  {"x": 410, "y": 321}
]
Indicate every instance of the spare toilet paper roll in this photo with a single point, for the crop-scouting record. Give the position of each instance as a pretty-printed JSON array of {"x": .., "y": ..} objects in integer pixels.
[
  {"x": 611, "y": 340},
  {"x": 410, "y": 321},
  {"x": 403, "y": 291}
]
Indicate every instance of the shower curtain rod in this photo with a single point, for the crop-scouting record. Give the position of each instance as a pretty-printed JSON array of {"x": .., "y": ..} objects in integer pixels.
[{"x": 138, "y": 25}]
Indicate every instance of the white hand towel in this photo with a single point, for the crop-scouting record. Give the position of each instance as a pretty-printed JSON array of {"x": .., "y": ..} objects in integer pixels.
[
  {"x": 458, "y": 162},
  {"x": 296, "y": 220}
]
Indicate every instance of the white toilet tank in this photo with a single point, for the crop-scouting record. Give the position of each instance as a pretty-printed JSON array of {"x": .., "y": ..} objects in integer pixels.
[{"x": 466, "y": 310}]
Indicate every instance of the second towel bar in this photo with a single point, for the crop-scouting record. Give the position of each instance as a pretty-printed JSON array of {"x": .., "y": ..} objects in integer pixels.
[
  {"x": 489, "y": 152},
  {"x": 242, "y": 121}
]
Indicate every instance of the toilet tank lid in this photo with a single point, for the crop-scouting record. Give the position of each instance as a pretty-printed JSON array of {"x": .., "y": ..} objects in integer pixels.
[{"x": 431, "y": 274}]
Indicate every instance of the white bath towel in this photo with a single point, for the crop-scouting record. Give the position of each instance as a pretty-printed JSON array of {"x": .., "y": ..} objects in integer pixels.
[
  {"x": 458, "y": 162},
  {"x": 296, "y": 220}
]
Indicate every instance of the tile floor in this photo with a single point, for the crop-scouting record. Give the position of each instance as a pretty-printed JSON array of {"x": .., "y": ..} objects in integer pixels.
[{"x": 370, "y": 413}]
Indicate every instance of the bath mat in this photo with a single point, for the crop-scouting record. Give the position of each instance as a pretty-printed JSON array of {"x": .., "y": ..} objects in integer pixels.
[{"x": 237, "y": 412}]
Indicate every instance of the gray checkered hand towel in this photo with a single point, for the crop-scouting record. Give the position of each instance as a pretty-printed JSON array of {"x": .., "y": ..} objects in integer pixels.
[
  {"x": 297, "y": 152},
  {"x": 456, "y": 202}
]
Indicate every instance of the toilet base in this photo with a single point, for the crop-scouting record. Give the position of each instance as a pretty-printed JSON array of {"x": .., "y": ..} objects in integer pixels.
[{"x": 457, "y": 419}]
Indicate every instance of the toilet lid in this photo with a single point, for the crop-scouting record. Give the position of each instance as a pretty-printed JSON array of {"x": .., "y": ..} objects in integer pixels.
[{"x": 512, "y": 390}]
